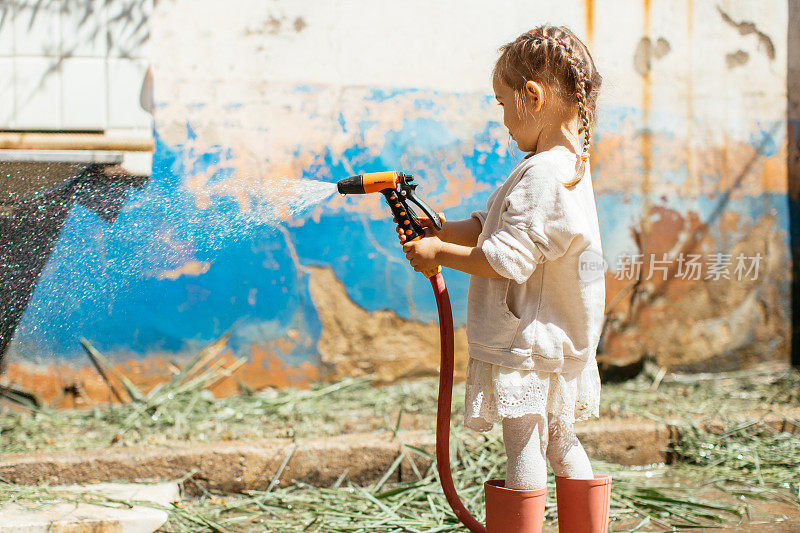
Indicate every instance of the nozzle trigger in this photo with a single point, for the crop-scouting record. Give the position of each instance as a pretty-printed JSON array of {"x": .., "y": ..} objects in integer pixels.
[{"x": 407, "y": 184}]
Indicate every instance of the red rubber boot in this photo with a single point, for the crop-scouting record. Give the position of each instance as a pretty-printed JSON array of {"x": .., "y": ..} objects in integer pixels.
[
  {"x": 513, "y": 510},
  {"x": 583, "y": 504}
]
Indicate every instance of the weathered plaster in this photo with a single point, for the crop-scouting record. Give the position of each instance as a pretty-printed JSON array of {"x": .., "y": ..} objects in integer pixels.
[{"x": 690, "y": 153}]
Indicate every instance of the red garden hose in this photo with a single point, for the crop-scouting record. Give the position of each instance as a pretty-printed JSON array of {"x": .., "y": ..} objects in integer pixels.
[
  {"x": 398, "y": 188},
  {"x": 443, "y": 408}
]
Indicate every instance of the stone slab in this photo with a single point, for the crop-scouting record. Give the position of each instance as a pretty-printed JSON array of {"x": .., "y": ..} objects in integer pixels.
[{"x": 78, "y": 517}]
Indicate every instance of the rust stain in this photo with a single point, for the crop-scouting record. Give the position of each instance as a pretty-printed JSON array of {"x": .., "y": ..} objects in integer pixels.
[
  {"x": 588, "y": 9},
  {"x": 734, "y": 166},
  {"x": 646, "y": 141},
  {"x": 690, "y": 168},
  {"x": 690, "y": 15},
  {"x": 724, "y": 156}
]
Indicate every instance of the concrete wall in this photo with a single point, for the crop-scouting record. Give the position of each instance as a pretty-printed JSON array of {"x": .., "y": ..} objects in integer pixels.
[{"x": 690, "y": 158}]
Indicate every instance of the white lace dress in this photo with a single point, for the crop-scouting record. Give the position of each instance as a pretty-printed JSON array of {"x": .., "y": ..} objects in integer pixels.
[{"x": 495, "y": 392}]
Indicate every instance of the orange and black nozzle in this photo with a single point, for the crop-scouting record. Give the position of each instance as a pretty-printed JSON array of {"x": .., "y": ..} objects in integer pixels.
[
  {"x": 398, "y": 189},
  {"x": 369, "y": 182}
]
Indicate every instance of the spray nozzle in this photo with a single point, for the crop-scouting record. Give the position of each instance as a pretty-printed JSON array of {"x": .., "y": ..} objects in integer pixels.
[
  {"x": 398, "y": 188},
  {"x": 370, "y": 182}
]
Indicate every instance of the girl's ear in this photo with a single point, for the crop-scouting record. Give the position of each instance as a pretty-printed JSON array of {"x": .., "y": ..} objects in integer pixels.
[{"x": 535, "y": 92}]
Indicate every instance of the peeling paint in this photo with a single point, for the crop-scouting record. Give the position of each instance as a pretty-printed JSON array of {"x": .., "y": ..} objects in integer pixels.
[
  {"x": 747, "y": 27},
  {"x": 355, "y": 342},
  {"x": 736, "y": 59},
  {"x": 647, "y": 51},
  {"x": 686, "y": 155},
  {"x": 66, "y": 386},
  {"x": 192, "y": 268},
  {"x": 700, "y": 325}
]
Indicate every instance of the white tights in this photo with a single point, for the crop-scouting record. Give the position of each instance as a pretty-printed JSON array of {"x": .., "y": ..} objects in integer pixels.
[{"x": 528, "y": 440}]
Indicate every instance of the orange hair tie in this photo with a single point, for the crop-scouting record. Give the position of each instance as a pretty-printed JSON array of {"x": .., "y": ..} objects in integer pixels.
[{"x": 585, "y": 155}]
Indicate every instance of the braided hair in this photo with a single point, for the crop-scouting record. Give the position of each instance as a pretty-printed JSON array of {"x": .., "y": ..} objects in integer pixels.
[{"x": 555, "y": 56}]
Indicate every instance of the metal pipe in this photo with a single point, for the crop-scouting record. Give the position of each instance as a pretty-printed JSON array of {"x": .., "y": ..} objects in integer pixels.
[{"x": 73, "y": 141}]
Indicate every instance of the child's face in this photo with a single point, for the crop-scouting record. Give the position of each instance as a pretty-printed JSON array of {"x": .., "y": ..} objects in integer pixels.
[{"x": 521, "y": 123}]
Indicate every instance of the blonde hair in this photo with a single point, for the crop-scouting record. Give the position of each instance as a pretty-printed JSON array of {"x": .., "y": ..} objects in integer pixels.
[{"x": 555, "y": 57}]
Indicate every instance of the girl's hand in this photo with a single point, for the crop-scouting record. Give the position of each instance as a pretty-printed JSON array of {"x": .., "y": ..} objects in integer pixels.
[
  {"x": 422, "y": 253},
  {"x": 424, "y": 221}
]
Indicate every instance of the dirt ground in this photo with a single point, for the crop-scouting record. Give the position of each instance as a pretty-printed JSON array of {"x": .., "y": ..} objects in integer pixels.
[{"x": 737, "y": 434}]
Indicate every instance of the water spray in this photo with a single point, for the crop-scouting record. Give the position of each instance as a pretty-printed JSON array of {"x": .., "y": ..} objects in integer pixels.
[{"x": 399, "y": 189}]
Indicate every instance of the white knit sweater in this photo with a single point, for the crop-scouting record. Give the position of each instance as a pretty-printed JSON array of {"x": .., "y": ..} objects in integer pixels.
[{"x": 546, "y": 312}]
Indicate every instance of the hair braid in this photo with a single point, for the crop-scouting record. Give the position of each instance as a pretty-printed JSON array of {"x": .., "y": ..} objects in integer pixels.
[
  {"x": 555, "y": 56},
  {"x": 584, "y": 112},
  {"x": 579, "y": 76}
]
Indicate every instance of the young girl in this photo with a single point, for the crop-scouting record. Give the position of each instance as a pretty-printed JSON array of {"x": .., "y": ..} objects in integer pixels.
[{"x": 537, "y": 289}]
